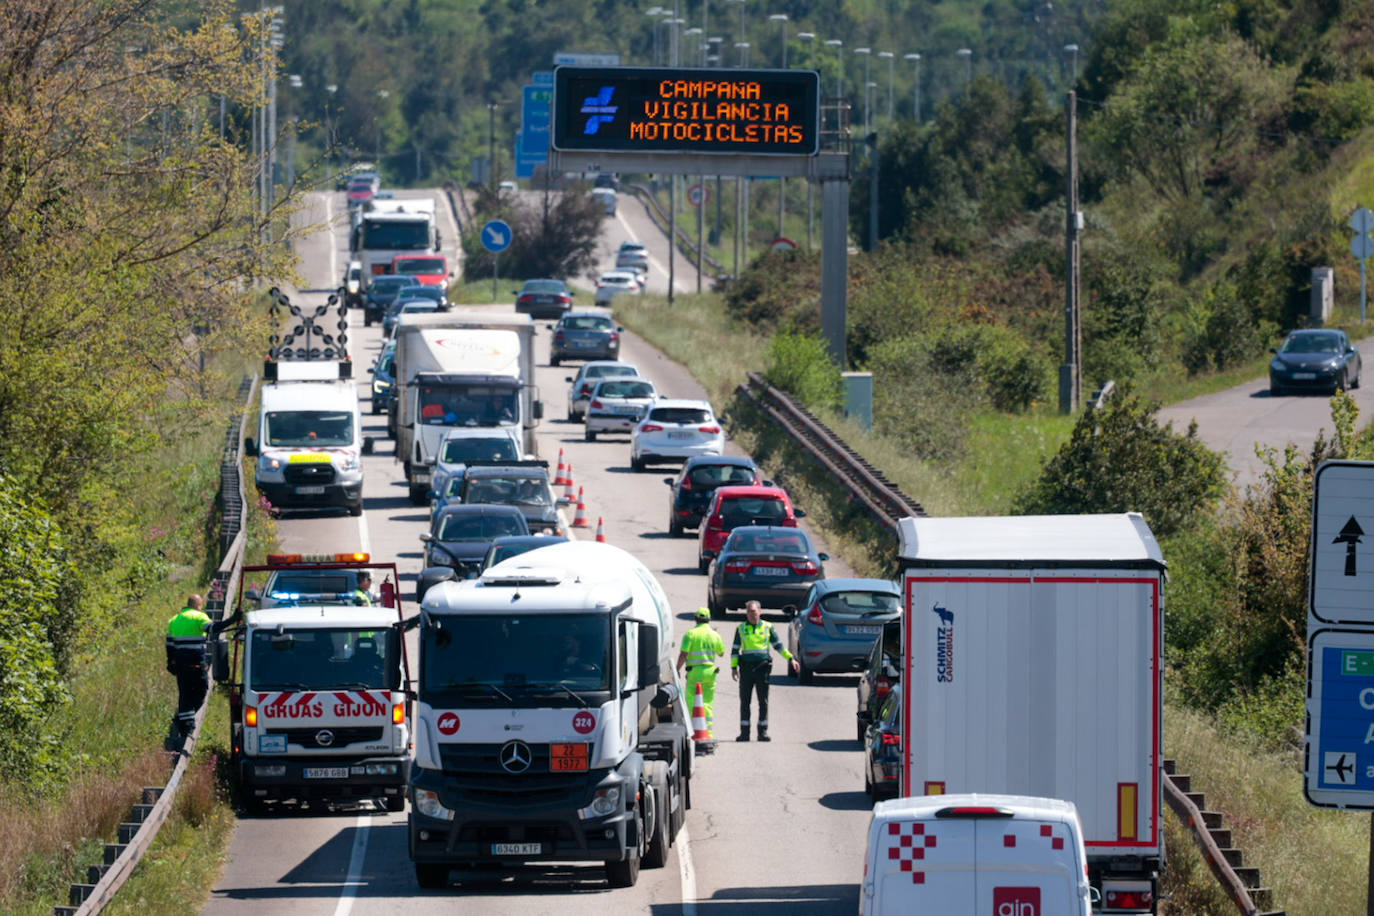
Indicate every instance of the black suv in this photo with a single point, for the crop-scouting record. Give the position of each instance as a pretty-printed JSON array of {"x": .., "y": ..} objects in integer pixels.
[
  {"x": 697, "y": 481},
  {"x": 381, "y": 292},
  {"x": 881, "y": 675},
  {"x": 522, "y": 484}
]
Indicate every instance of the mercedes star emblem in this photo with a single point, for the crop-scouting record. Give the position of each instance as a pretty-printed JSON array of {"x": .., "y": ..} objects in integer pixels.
[
  {"x": 324, "y": 737},
  {"x": 516, "y": 757}
]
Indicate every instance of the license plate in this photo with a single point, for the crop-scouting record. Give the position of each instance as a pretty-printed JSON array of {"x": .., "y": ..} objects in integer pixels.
[
  {"x": 681, "y": 435},
  {"x": 863, "y": 631},
  {"x": 771, "y": 570},
  {"x": 1305, "y": 376},
  {"x": 326, "y": 772},
  {"x": 583, "y": 344},
  {"x": 310, "y": 491},
  {"x": 517, "y": 849},
  {"x": 627, "y": 411}
]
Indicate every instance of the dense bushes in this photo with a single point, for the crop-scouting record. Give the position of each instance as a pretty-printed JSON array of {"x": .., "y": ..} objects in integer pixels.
[{"x": 560, "y": 243}]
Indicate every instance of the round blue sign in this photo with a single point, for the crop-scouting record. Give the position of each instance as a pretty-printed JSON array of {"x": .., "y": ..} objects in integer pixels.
[{"x": 496, "y": 235}]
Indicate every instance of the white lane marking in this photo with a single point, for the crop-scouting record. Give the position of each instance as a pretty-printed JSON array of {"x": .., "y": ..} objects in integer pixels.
[
  {"x": 349, "y": 892},
  {"x": 687, "y": 872},
  {"x": 653, "y": 261},
  {"x": 333, "y": 244},
  {"x": 364, "y": 536}
]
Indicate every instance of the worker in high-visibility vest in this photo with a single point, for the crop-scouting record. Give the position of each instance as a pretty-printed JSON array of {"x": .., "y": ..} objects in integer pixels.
[
  {"x": 701, "y": 646},
  {"x": 751, "y": 663}
]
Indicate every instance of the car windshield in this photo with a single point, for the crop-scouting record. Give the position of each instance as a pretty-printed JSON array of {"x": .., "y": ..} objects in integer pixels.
[
  {"x": 524, "y": 491},
  {"x": 616, "y": 280},
  {"x": 308, "y": 428},
  {"x": 420, "y": 305},
  {"x": 315, "y": 659},
  {"x": 544, "y": 286},
  {"x": 421, "y": 266},
  {"x": 512, "y": 652},
  {"x": 453, "y": 488},
  {"x": 1312, "y": 343},
  {"x": 486, "y": 448},
  {"x": 421, "y": 292},
  {"x": 392, "y": 284},
  {"x": 587, "y": 323},
  {"x": 411, "y": 234},
  {"x": 501, "y": 552},
  {"x": 680, "y": 415},
  {"x": 861, "y": 603},
  {"x": 630, "y": 388},
  {"x": 743, "y": 510},
  {"x": 718, "y": 475},
  {"x": 754, "y": 542},
  {"x": 608, "y": 371},
  {"x": 479, "y": 527}
]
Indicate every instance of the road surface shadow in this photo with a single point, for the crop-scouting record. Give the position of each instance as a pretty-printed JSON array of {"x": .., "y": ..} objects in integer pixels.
[
  {"x": 848, "y": 745},
  {"x": 798, "y": 900},
  {"x": 387, "y": 503},
  {"x": 857, "y": 800},
  {"x": 417, "y": 517},
  {"x": 656, "y": 536},
  {"x": 684, "y": 571},
  {"x": 835, "y": 680}
]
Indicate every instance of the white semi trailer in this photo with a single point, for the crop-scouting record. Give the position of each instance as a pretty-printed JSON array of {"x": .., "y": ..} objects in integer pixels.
[
  {"x": 458, "y": 370},
  {"x": 551, "y": 724}
]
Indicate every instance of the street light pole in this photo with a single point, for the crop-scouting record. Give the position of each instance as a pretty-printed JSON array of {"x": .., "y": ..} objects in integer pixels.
[
  {"x": 809, "y": 37},
  {"x": 781, "y": 19},
  {"x": 839, "y": 59},
  {"x": 383, "y": 95},
  {"x": 967, "y": 55},
  {"x": 916, "y": 88},
  {"x": 867, "y": 53},
  {"x": 888, "y": 55},
  {"x": 1072, "y": 51},
  {"x": 491, "y": 146}
]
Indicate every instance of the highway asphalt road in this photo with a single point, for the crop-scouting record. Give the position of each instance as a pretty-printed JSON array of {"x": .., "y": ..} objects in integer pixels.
[{"x": 773, "y": 826}]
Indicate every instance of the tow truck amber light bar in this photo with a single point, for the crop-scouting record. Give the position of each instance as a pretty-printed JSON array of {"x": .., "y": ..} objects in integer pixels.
[{"x": 290, "y": 559}]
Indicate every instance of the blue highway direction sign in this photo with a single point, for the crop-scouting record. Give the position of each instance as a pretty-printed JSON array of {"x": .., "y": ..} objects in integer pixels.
[
  {"x": 496, "y": 235},
  {"x": 1339, "y": 771}
]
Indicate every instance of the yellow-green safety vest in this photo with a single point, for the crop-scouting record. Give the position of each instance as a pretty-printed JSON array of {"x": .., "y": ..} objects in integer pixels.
[
  {"x": 702, "y": 645},
  {"x": 752, "y": 642}
]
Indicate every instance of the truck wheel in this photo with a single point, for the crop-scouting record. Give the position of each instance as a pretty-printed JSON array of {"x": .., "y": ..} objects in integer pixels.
[
  {"x": 394, "y": 802},
  {"x": 588, "y": 435},
  {"x": 430, "y": 876},
  {"x": 626, "y": 873},
  {"x": 656, "y": 856}
]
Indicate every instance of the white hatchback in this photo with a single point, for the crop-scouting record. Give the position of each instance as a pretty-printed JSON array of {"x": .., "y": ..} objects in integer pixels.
[
  {"x": 585, "y": 380},
  {"x": 614, "y": 282},
  {"x": 675, "y": 431},
  {"x": 617, "y": 404}
]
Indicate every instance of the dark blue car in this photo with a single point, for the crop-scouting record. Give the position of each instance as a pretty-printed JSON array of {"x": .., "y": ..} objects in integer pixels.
[
  {"x": 384, "y": 379},
  {"x": 692, "y": 488},
  {"x": 1315, "y": 359}
]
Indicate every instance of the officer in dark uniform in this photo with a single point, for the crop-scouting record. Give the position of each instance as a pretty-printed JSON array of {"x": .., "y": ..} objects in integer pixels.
[
  {"x": 187, "y": 635},
  {"x": 751, "y": 663}
]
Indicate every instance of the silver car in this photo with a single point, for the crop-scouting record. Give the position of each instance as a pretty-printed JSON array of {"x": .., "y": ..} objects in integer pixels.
[
  {"x": 582, "y": 384},
  {"x": 617, "y": 404},
  {"x": 585, "y": 335}
]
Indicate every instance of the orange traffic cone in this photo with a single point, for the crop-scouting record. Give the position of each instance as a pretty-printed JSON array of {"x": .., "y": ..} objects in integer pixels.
[
  {"x": 600, "y": 530},
  {"x": 580, "y": 519},
  {"x": 561, "y": 478},
  {"x": 701, "y": 731},
  {"x": 568, "y": 493}
]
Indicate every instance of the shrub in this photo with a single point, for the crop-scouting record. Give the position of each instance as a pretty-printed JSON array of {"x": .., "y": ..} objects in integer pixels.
[
  {"x": 915, "y": 404},
  {"x": 800, "y": 365},
  {"x": 780, "y": 289}
]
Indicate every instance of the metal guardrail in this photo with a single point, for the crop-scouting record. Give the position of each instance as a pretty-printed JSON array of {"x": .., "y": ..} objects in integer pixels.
[
  {"x": 883, "y": 499},
  {"x": 685, "y": 243},
  {"x": 146, "y": 818}
]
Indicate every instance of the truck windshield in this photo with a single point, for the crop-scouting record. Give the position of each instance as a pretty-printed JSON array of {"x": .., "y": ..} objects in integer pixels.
[
  {"x": 323, "y": 659},
  {"x": 464, "y": 657},
  {"x": 411, "y": 235},
  {"x": 308, "y": 428},
  {"x": 468, "y": 405}
]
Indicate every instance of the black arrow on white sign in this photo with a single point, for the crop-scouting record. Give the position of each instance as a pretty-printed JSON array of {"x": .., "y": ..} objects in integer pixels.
[{"x": 1350, "y": 536}]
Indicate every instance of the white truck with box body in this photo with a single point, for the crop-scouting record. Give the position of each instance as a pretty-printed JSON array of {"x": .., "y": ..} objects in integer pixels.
[
  {"x": 391, "y": 227},
  {"x": 551, "y": 724},
  {"x": 1003, "y": 855},
  {"x": 1033, "y": 665},
  {"x": 310, "y": 438},
  {"x": 318, "y": 707},
  {"x": 458, "y": 370}
]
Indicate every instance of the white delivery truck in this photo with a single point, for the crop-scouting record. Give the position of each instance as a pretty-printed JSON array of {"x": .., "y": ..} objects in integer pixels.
[
  {"x": 392, "y": 227},
  {"x": 551, "y": 724},
  {"x": 318, "y": 708},
  {"x": 458, "y": 370},
  {"x": 1004, "y": 855},
  {"x": 1033, "y": 665},
  {"x": 310, "y": 439}
]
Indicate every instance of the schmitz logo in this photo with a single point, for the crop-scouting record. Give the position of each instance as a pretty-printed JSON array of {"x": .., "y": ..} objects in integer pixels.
[
  {"x": 944, "y": 646},
  {"x": 1016, "y": 901}
]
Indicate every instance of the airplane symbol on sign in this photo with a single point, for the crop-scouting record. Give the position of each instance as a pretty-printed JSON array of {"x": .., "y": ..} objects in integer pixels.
[{"x": 1345, "y": 771}]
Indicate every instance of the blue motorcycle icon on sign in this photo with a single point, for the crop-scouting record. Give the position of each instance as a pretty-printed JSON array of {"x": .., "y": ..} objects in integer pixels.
[{"x": 601, "y": 110}]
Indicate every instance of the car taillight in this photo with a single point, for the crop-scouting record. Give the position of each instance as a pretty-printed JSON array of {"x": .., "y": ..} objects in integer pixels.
[
  {"x": 708, "y": 429},
  {"x": 564, "y": 299},
  {"x": 805, "y": 568},
  {"x": 597, "y": 404},
  {"x": 686, "y": 484},
  {"x": 1132, "y": 899},
  {"x": 716, "y": 523},
  {"x": 737, "y": 566},
  {"x": 816, "y": 616},
  {"x": 651, "y": 428},
  {"x": 526, "y": 298},
  {"x": 789, "y": 523},
  {"x": 557, "y": 335},
  {"x": 615, "y": 338},
  {"x": 889, "y": 738},
  {"x": 586, "y": 391},
  {"x": 883, "y": 687}
]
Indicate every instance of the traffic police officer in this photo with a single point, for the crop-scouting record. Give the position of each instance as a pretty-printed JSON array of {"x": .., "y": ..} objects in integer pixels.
[
  {"x": 362, "y": 595},
  {"x": 701, "y": 646},
  {"x": 750, "y": 664},
  {"x": 186, "y": 651}
]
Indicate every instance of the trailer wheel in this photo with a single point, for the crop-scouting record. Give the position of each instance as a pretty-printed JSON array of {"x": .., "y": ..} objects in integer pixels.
[
  {"x": 394, "y": 802},
  {"x": 430, "y": 876}
]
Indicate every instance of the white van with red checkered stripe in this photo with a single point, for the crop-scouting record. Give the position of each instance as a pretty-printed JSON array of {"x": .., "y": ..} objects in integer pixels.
[{"x": 979, "y": 855}]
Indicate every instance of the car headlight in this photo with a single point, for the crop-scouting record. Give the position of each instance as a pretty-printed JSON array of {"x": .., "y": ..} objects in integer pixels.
[
  {"x": 380, "y": 384},
  {"x": 605, "y": 802},
  {"x": 269, "y": 463},
  {"x": 427, "y": 803},
  {"x": 1276, "y": 366},
  {"x": 349, "y": 462}
]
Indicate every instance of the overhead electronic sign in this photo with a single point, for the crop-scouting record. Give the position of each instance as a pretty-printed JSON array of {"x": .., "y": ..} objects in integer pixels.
[{"x": 682, "y": 110}]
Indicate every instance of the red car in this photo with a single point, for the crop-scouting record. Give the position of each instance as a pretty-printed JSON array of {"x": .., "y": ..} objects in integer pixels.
[
  {"x": 428, "y": 269},
  {"x": 732, "y": 507}
]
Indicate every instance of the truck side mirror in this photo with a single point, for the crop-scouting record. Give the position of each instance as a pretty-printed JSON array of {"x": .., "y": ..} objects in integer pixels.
[
  {"x": 250, "y": 447},
  {"x": 537, "y": 411},
  {"x": 648, "y": 655},
  {"x": 799, "y": 513},
  {"x": 789, "y": 611},
  {"x": 220, "y": 666}
]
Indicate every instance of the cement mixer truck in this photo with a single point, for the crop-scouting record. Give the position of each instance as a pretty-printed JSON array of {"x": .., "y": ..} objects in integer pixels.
[{"x": 551, "y": 725}]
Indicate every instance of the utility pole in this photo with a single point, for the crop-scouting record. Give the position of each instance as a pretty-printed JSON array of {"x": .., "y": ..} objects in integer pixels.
[
  {"x": 872, "y": 141},
  {"x": 491, "y": 145},
  {"x": 1070, "y": 379}
]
